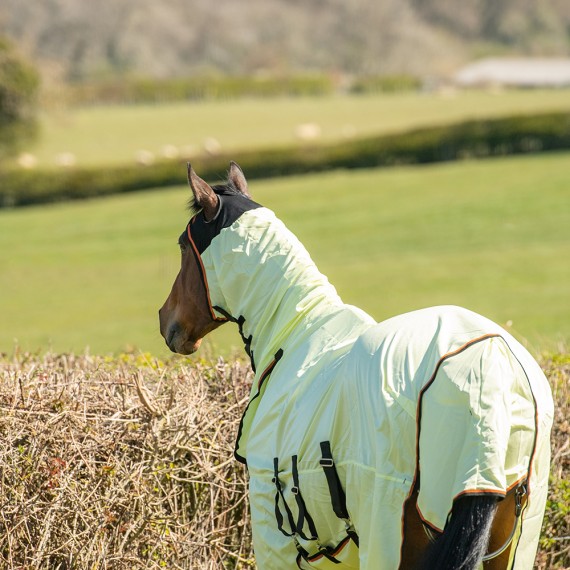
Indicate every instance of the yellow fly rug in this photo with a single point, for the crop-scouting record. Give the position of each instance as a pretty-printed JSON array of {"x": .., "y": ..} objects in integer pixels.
[{"x": 346, "y": 414}]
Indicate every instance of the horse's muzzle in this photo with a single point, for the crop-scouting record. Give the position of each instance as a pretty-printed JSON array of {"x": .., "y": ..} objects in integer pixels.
[{"x": 177, "y": 339}]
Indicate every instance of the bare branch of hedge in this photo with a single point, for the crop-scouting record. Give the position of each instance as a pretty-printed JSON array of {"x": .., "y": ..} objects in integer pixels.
[{"x": 117, "y": 464}]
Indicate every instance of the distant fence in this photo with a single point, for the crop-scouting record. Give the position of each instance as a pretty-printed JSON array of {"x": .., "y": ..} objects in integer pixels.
[{"x": 471, "y": 139}]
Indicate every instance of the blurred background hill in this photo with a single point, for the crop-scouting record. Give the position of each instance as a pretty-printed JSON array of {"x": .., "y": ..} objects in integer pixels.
[{"x": 76, "y": 40}]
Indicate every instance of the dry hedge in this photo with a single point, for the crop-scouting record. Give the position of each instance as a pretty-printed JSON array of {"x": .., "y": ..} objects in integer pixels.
[
  {"x": 128, "y": 463},
  {"x": 96, "y": 472}
]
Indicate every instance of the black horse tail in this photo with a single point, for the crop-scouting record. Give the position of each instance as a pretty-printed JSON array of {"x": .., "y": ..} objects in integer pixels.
[{"x": 465, "y": 537}]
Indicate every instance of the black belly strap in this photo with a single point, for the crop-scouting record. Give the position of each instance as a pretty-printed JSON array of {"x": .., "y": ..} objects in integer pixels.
[{"x": 338, "y": 497}]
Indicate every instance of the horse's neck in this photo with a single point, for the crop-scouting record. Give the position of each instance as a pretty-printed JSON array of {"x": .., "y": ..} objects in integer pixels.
[
  {"x": 291, "y": 317},
  {"x": 269, "y": 283}
]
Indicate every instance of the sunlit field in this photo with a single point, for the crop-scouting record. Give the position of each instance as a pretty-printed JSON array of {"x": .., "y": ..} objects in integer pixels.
[
  {"x": 491, "y": 235},
  {"x": 118, "y": 134}
]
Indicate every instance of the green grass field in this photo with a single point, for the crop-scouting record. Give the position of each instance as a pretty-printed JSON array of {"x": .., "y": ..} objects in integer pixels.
[
  {"x": 114, "y": 134},
  {"x": 491, "y": 235}
]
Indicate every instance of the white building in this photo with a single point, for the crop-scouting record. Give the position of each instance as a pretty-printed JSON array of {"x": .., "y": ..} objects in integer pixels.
[{"x": 516, "y": 72}]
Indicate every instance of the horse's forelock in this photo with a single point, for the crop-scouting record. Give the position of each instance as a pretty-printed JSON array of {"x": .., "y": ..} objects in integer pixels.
[{"x": 226, "y": 188}]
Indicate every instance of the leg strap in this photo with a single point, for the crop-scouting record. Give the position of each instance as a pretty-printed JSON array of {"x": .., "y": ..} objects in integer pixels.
[
  {"x": 303, "y": 513},
  {"x": 279, "y": 496},
  {"x": 520, "y": 492}
]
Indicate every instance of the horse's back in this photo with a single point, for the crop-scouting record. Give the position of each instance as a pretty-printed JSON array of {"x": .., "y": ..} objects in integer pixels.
[
  {"x": 405, "y": 351},
  {"x": 466, "y": 404}
]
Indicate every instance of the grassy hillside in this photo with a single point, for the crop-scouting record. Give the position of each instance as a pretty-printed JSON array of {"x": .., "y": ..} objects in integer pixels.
[
  {"x": 115, "y": 134},
  {"x": 491, "y": 235}
]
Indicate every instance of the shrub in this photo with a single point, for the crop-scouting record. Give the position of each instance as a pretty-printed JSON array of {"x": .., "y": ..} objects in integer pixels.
[
  {"x": 98, "y": 474},
  {"x": 554, "y": 549},
  {"x": 127, "y": 463},
  {"x": 19, "y": 84},
  {"x": 385, "y": 84}
]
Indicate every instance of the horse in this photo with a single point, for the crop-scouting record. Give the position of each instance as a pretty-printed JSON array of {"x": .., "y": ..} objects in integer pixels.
[{"x": 421, "y": 441}]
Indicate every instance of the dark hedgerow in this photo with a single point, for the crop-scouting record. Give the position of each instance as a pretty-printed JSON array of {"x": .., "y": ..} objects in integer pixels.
[
  {"x": 129, "y": 91},
  {"x": 470, "y": 139}
]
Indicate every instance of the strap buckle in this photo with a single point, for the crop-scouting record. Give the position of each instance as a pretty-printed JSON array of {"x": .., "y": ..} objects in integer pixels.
[{"x": 520, "y": 492}]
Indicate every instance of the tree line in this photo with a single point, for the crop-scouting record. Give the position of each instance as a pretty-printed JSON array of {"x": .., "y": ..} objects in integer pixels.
[{"x": 78, "y": 40}]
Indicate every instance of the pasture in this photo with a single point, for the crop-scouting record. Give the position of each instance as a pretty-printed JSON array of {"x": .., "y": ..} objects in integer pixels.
[
  {"x": 103, "y": 135},
  {"x": 491, "y": 235}
]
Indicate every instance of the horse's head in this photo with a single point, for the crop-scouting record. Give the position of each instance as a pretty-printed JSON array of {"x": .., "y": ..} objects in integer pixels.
[{"x": 187, "y": 316}]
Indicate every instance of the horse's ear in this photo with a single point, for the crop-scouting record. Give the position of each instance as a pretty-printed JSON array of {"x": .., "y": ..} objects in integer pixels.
[
  {"x": 204, "y": 195},
  {"x": 237, "y": 178}
]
